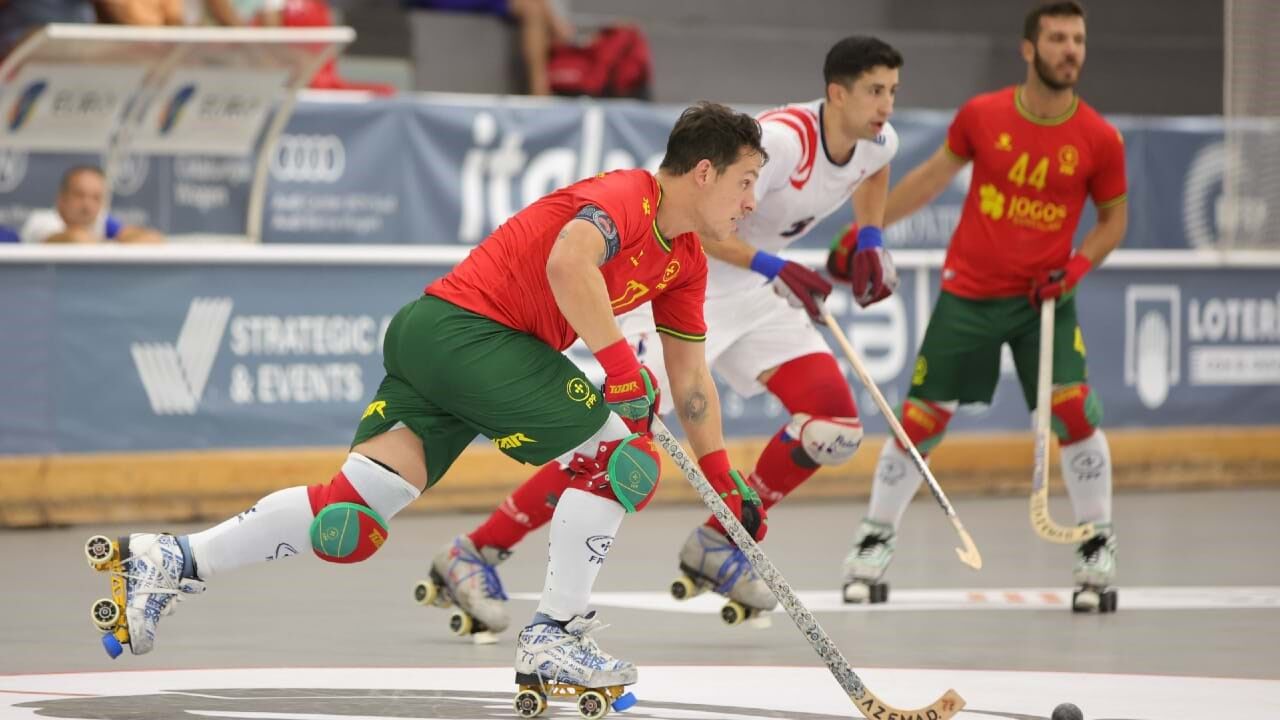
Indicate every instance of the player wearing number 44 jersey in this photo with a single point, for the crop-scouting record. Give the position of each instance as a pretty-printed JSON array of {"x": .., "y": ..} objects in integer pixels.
[
  {"x": 760, "y": 311},
  {"x": 480, "y": 353},
  {"x": 1037, "y": 151}
]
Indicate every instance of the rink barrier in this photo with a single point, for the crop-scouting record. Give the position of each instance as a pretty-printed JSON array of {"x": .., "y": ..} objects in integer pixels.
[{"x": 154, "y": 487}]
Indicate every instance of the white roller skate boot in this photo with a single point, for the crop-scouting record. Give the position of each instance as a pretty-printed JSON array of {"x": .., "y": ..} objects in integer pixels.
[
  {"x": 562, "y": 659},
  {"x": 866, "y": 562},
  {"x": 711, "y": 561},
  {"x": 465, "y": 576},
  {"x": 1094, "y": 572},
  {"x": 146, "y": 578}
]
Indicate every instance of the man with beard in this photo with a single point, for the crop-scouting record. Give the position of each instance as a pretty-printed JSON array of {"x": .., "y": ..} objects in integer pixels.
[{"x": 1037, "y": 151}]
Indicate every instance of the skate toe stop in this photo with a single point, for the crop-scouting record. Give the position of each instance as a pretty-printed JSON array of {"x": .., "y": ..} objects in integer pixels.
[
  {"x": 484, "y": 637},
  {"x": 112, "y": 646},
  {"x": 624, "y": 702}
]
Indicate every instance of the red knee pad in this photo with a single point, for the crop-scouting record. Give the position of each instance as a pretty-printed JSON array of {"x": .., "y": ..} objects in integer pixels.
[
  {"x": 345, "y": 528},
  {"x": 924, "y": 422},
  {"x": 1076, "y": 412},
  {"x": 624, "y": 470}
]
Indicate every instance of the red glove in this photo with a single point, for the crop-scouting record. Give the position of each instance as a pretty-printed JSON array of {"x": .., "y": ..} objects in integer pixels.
[
  {"x": 743, "y": 502},
  {"x": 630, "y": 389},
  {"x": 859, "y": 258},
  {"x": 1054, "y": 284},
  {"x": 801, "y": 286}
]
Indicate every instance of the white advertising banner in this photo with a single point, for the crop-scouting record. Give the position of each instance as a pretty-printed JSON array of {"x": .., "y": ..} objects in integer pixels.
[
  {"x": 66, "y": 108},
  {"x": 209, "y": 111}
]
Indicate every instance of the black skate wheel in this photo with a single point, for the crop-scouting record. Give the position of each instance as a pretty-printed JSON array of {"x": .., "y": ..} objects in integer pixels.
[
  {"x": 879, "y": 593},
  {"x": 105, "y": 614},
  {"x": 99, "y": 550},
  {"x": 733, "y": 613},
  {"x": 530, "y": 704},
  {"x": 425, "y": 592},
  {"x": 1108, "y": 602},
  {"x": 592, "y": 705},
  {"x": 460, "y": 623},
  {"x": 682, "y": 588}
]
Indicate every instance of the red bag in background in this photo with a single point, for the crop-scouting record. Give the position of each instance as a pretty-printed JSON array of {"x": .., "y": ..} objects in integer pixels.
[{"x": 616, "y": 63}]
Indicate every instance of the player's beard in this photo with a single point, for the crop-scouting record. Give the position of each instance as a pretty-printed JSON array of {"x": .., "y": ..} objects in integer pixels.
[{"x": 1045, "y": 73}]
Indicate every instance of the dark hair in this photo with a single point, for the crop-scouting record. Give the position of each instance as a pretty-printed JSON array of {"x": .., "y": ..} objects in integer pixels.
[
  {"x": 854, "y": 55},
  {"x": 76, "y": 170},
  {"x": 712, "y": 132},
  {"x": 1060, "y": 8}
]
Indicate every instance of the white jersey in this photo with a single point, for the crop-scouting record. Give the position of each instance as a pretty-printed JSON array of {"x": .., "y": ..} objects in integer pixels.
[{"x": 799, "y": 186}]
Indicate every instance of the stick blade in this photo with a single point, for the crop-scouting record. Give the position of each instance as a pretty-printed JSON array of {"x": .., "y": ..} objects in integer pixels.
[{"x": 945, "y": 707}]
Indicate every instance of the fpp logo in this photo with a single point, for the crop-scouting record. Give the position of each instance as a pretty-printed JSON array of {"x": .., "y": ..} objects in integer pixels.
[{"x": 1152, "y": 341}]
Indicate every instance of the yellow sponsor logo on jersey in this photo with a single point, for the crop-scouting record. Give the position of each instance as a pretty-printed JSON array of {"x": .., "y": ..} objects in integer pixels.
[
  {"x": 673, "y": 269},
  {"x": 513, "y": 441},
  {"x": 991, "y": 201},
  {"x": 630, "y": 294},
  {"x": 1036, "y": 214},
  {"x": 377, "y": 406},
  {"x": 1068, "y": 159},
  {"x": 644, "y": 204},
  {"x": 1004, "y": 142}
]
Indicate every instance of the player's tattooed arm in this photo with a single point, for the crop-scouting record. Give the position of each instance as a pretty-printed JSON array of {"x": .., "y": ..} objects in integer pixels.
[
  {"x": 694, "y": 408},
  {"x": 694, "y": 394}
]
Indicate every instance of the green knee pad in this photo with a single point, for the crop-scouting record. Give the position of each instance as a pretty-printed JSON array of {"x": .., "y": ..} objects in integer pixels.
[
  {"x": 347, "y": 533},
  {"x": 633, "y": 471}
]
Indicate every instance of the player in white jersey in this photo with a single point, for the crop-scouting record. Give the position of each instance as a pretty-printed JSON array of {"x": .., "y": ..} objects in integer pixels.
[{"x": 760, "y": 311}]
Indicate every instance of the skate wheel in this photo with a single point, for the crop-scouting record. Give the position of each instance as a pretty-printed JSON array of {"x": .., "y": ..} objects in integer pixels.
[
  {"x": 879, "y": 593},
  {"x": 624, "y": 702},
  {"x": 530, "y": 704},
  {"x": 112, "y": 646},
  {"x": 1108, "y": 602},
  {"x": 425, "y": 592},
  {"x": 460, "y": 623},
  {"x": 592, "y": 705},
  {"x": 1085, "y": 600},
  {"x": 856, "y": 593},
  {"x": 105, "y": 614},
  {"x": 683, "y": 588},
  {"x": 99, "y": 550},
  {"x": 733, "y": 613}
]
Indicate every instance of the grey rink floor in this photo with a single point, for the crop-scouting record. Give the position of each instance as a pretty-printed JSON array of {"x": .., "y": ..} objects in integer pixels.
[{"x": 302, "y": 612}]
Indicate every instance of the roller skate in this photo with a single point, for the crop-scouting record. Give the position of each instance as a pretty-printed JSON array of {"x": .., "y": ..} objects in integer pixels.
[
  {"x": 467, "y": 578},
  {"x": 555, "y": 659},
  {"x": 1095, "y": 570},
  {"x": 146, "y": 579},
  {"x": 711, "y": 561},
  {"x": 866, "y": 562}
]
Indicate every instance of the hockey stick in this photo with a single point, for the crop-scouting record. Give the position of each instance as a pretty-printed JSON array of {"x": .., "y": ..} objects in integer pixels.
[
  {"x": 866, "y": 701},
  {"x": 969, "y": 555},
  {"x": 1044, "y": 525}
]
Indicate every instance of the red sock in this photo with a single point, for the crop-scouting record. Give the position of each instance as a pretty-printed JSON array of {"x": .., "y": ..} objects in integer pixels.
[
  {"x": 525, "y": 510},
  {"x": 811, "y": 384}
]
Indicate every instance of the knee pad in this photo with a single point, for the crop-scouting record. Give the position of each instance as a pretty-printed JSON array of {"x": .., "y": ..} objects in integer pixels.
[
  {"x": 1076, "y": 412},
  {"x": 826, "y": 440},
  {"x": 925, "y": 422},
  {"x": 624, "y": 470},
  {"x": 352, "y": 509}
]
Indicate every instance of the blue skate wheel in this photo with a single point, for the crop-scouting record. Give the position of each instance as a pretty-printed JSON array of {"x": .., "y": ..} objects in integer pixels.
[
  {"x": 112, "y": 645},
  {"x": 624, "y": 702}
]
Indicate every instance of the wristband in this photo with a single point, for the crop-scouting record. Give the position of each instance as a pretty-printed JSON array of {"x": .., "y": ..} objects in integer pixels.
[
  {"x": 618, "y": 359},
  {"x": 870, "y": 237},
  {"x": 767, "y": 264}
]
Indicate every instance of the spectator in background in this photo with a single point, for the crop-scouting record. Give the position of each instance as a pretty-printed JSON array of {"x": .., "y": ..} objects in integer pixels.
[
  {"x": 235, "y": 13},
  {"x": 20, "y": 18},
  {"x": 8, "y": 235},
  {"x": 541, "y": 22},
  {"x": 141, "y": 12},
  {"x": 78, "y": 216}
]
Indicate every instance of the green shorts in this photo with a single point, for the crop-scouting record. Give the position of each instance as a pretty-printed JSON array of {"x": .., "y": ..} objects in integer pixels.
[
  {"x": 960, "y": 356},
  {"x": 453, "y": 375}
]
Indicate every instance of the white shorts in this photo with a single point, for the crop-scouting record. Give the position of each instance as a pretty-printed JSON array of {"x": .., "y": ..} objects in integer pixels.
[{"x": 747, "y": 334}]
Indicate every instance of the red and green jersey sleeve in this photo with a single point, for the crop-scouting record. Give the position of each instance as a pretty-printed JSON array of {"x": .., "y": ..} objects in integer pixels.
[{"x": 1031, "y": 177}]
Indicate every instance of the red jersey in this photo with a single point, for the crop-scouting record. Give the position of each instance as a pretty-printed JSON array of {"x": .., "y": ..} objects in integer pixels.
[
  {"x": 504, "y": 278},
  {"x": 1030, "y": 179}
]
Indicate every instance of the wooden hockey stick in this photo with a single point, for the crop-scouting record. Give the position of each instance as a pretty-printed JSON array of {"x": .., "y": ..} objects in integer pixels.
[
  {"x": 969, "y": 554},
  {"x": 866, "y": 701},
  {"x": 1044, "y": 525}
]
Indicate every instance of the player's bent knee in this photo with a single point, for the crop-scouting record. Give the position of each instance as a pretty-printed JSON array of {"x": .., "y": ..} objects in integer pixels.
[
  {"x": 624, "y": 470},
  {"x": 1076, "y": 412},
  {"x": 352, "y": 509},
  {"x": 925, "y": 422},
  {"x": 826, "y": 440}
]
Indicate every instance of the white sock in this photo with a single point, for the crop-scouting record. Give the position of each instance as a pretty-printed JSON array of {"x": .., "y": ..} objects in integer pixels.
[
  {"x": 1086, "y": 469},
  {"x": 896, "y": 481},
  {"x": 582, "y": 530},
  {"x": 279, "y": 526}
]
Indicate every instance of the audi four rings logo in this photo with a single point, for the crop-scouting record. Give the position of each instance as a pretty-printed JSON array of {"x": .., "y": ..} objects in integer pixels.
[{"x": 308, "y": 159}]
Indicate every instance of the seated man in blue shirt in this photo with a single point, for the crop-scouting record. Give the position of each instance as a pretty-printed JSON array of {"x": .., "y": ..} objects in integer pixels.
[{"x": 78, "y": 216}]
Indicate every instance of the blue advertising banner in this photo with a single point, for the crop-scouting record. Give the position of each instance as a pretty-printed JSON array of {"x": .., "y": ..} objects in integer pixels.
[
  {"x": 157, "y": 356},
  {"x": 439, "y": 170}
]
